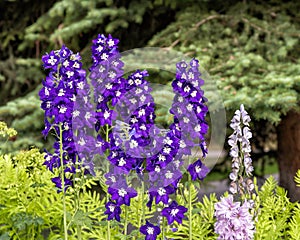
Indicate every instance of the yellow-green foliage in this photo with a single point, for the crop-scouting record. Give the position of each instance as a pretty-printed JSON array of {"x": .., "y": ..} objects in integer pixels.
[
  {"x": 202, "y": 217},
  {"x": 31, "y": 208},
  {"x": 274, "y": 212},
  {"x": 6, "y": 131},
  {"x": 297, "y": 178}
]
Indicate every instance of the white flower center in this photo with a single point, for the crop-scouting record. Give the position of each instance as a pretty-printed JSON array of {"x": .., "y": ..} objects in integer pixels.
[
  {"x": 133, "y": 144},
  {"x": 87, "y": 116},
  {"x": 81, "y": 142},
  {"x": 189, "y": 107},
  {"x": 80, "y": 85},
  {"x": 134, "y": 120},
  {"x": 182, "y": 144},
  {"x": 143, "y": 98},
  {"x": 198, "y": 169},
  {"x": 150, "y": 230},
  {"x": 122, "y": 162},
  {"x": 70, "y": 74},
  {"x": 142, "y": 112},
  {"x": 99, "y": 48},
  {"x": 104, "y": 56},
  {"x": 76, "y": 65},
  {"x": 122, "y": 192},
  {"x": 62, "y": 109},
  {"x": 109, "y": 86},
  {"x": 194, "y": 93},
  {"x": 138, "y": 81},
  {"x": 167, "y": 150},
  {"x": 133, "y": 100},
  {"x": 101, "y": 69},
  {"x": 52, "y": 60},
  {"x": 187, "y": 89},
  {"x": 138, "y": 91},
  {"x": 111, "y": 42},
  {"x": 76, "y": 113},
  {"x": 111, "y": 208},
  {"x": 169, "y": 175},
  {"x": 161, "y": 191},
  {"x": 174, "y": 212},
  {"x": 161, "y": 158},
  {"x": 143, "y": 127},
  {"x": 112, "y": 74},
  {"x": 106, "y": 114},
  {"x": 186, "y": 120},
  {"x": 48, "y": 104},
  {"x": 168, "y": 141},
  {"x": 197, "y": 128},
  {"x": 61, "y": 92}
]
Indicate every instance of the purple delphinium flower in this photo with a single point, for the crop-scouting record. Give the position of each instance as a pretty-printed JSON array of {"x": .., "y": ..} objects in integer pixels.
[
  {"x": 161, "y": 194},
  {"x": 234, "y": 220},
  {"x": 113, "y": 211},
  {"x": 174, "y": 212},
  {"x": 151, "y": 231},
  {"x": 121, "y": 193},
  {"x": 198, "y": 170}
]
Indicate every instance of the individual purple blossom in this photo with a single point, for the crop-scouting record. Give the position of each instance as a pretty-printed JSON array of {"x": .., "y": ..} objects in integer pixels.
[
  {"x": 234, "y": 220},
  {"x": 121, "y": 193},
  {"x": 174, "y": 212},
  {"x": 198, "y": 170},
  {"x": 58, "y": 183},
  {"x": 161, "y": 194},
  {"x": 151, "y": 231},
  {"x": 113, "y": 211}
]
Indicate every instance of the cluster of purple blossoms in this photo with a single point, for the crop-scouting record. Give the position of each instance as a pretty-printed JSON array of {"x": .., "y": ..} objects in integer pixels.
[
  {"x": 66, "y": 81},
  {"x": 240, "y": 153},
  {"x": 191, "y": 110},
  {"x": 124, "y": 121},
  {"x": 234, "y": 220},
  {"x": 135, "y": 143}
]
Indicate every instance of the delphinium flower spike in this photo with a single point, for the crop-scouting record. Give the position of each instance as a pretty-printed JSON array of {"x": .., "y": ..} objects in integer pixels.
[
  {"x": 234, "y": 219},
  {"x": 64, "y": 87},
  {"x": 65, "y": 81},
  {"x": 191, "y": 110},
  {"x": 240, "y": 153}
]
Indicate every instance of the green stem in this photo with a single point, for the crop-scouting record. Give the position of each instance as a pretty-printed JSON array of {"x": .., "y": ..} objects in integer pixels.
[
  {"x": 107, "y": 195},
  {"x": 78, "y": 208},
  {"x": 190, "y": 208},
  {"x": 163, "y": 228},
  {"x": 63, "y": 181},
  {"x": 126, "y": 222},
  {"x": 143, "y": 209}
]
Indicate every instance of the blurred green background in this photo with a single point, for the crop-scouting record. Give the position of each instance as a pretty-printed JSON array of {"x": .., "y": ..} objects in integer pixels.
[{"x": 250, "y": 49}]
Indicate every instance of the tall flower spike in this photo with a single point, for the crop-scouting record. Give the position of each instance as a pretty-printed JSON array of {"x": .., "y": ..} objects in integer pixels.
[
  {"x": 240, "y": 153},
  {"x": 65, "y": 82}
]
